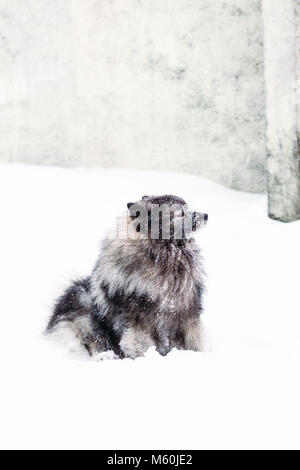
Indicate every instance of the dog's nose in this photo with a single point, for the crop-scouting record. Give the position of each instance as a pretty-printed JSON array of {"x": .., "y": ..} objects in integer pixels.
[{"x": 206, "y": 217}]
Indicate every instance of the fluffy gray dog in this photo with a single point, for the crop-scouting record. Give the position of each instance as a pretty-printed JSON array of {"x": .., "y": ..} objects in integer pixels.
[{"x": 146, "y": 287}]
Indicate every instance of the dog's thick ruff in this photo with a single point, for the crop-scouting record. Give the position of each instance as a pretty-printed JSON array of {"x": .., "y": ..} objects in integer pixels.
[{"x": 141, "y": 293}]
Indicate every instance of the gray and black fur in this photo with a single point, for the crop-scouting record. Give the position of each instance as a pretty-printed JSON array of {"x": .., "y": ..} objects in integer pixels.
[{"x": 142, "y": 292}]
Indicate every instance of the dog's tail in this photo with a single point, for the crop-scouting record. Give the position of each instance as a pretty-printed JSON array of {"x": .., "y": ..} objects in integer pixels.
[{"x": 72, "y": 304}]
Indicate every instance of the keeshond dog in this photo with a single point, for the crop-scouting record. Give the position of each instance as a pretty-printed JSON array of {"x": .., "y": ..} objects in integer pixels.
[{"x": 146, "y": 288}]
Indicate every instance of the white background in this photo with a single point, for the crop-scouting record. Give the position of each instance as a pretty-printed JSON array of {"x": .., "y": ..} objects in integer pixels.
[{"x": 242, "y": 393}]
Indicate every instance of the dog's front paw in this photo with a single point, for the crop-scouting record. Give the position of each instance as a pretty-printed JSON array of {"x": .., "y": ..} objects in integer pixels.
[{"x": 105, "y": 355}]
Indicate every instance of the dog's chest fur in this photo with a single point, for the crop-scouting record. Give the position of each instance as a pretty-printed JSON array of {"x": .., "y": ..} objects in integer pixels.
[{"x": 148, "y": 295}]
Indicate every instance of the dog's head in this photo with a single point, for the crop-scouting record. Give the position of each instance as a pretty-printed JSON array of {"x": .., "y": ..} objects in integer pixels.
[{"x": 163, "y": 218}]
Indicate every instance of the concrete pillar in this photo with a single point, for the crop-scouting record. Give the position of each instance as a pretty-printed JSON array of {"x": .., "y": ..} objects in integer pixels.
[{"x": 282, "y": 67}]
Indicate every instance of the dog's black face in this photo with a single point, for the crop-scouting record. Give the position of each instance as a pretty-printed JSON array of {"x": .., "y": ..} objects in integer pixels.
[{"x": 165, "y": 218}]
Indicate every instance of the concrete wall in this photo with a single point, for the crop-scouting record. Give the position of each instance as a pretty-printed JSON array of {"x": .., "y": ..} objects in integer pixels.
[
  {"x": 163, "y": 84},
  {"x": 282, "y": 67}
]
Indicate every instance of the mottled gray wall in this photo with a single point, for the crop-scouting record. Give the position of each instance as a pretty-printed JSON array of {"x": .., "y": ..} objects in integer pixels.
[
  {"x": 163, "y": 84},
  {"x": 297, "y": 41},
  {"x": 282, "y": 67}
]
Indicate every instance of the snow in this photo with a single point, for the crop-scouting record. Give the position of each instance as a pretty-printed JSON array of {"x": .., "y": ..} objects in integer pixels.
[{"x": 242, "y": 393}]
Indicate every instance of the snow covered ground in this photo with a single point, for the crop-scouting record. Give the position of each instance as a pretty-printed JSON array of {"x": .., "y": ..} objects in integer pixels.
[{"x": 242, "y": 393}]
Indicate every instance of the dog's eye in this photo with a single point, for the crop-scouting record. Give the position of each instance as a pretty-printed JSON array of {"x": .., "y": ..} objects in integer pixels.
[{"x": 179, "y": 213}]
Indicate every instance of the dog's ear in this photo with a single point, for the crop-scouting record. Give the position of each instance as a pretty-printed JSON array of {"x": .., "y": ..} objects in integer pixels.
[{"x": 132, "y": 212}]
